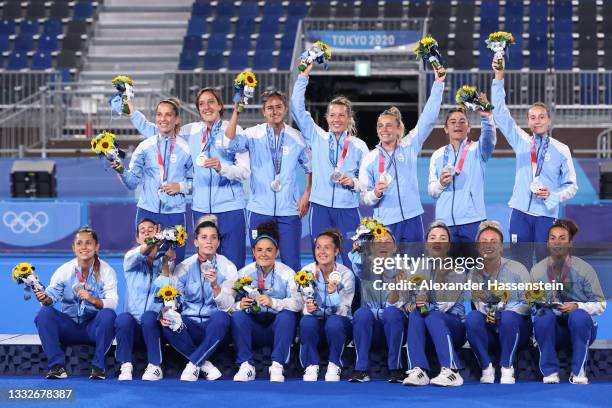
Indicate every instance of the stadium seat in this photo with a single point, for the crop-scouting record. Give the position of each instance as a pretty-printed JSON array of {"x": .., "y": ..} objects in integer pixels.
[
  {"x": 221, "y": 25},
  {"x": 514, "y": 9},
  {"x": 284, "y": 59},
  {"x": 196, "y": 26},
  {"x": 23, "y": 43},
  {"x": 192, "y": 43},
  {"x": 29, "y": 27},
  {"x": 35, "y": 10},
  {"x": 368, "y": 9},
  {"x": 216, "y": 42},
  {"x": 269, "y": 25},
  {"x": 288, "y": 41},
  {"x": 563, "y": 60},
  {"x": 16, "y": 61},
  {"x": 273, "y": 9},
  {"x": 320, "y": 9},
  {"x": 72, "y": 42},
  {"x": 76, "y": 27},
  {"x": 238, "y": 60},
  {"x": 5, "y": 43},
  {"x": 263, "y": 59},
  {"x": 66, "y": 60},
  {"x": 248, "y": 10},
  {"x": 587, "y": 58},
  {"x": 201, "y": 10},
  {"x": 245, "y": 26},
  {"x": 188, "y": 60},
  {"x": 53, "y": 26},
  {"x": 241, "y": 42},
  {"x": 538, "y": 9},
  {"x": 225, "y": 9},
  {"x": 41, "y": 61},
  {"x": 7, "y": 27},
  {"x": 393, "y": 9},
  {"x": 59, "y": 11},
  {"x": 213, "y": 60},
  {"x": 297, "y": 9},
  {"x": 11, "y": 10},
  {"x": 538, "y": 59},
  {"x": 345, "y": 9},
  {"x": 47, "y": 43},
  {"x": 83, "y": 10},
  {"x": 291, "y": 25},
  {"x": 589, "y": 89},
  {"x": 418, "y": 9}
]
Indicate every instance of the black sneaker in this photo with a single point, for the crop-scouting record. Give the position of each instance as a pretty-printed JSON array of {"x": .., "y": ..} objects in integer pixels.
[
  {"x": 396, "y": 376},
  {"x": 97, "y": 374},
  {"x": 359, "y": 376},
  {"x": 57, "y": 372}
]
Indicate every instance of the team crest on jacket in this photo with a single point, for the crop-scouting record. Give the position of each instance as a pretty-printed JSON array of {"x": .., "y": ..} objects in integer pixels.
[
  {"x": 400, "y": 157},
  {"x": 547, "y": 156},
  {"x": 173, "y": 158},
  {"x": 285, "y": 150}
]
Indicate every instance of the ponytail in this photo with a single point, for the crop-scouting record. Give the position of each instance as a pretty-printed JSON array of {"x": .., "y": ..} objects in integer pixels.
[
  {"x": 343, "y": 101},
  {"x": 397, "y": 115}
]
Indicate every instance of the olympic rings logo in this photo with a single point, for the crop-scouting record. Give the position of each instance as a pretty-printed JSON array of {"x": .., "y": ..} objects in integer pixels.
[{"x": 25, "y": 221}]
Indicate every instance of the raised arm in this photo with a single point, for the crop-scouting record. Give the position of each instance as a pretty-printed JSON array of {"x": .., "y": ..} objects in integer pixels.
[
  {"x": 511, "y": 131},
  {"x": 300, "y": 115}
]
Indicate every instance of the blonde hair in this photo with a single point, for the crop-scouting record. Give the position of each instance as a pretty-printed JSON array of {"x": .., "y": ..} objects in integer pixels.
[
  {"x": 540, "y": 105},
  {"x": 490, "y": 225},
  {"x": 176, "y": 107},
  {"x": 395, "y": 113},
  {"x": 343, "y": 101}
]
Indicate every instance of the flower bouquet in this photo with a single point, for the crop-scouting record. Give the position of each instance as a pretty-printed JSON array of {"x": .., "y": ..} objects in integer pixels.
[
  {"x": 305, "y": 281},
  {"x": 244, "y": 88},
  {"x": 496, "y": 301},
  {"x": 242, "y": 288},
  {"x": 105, "y": 145},
  {"x": 416, "y": 280},
  {"x": 170, "y": 238},
  {"x": 24, "y": 274},
  {"x": 319, "y": 52},
  {"x": 125, "y": 91},
  {"x": 369, "y": 228},
  {"x": 427, "y": 50},
  {"x": 169, "y": 295},
  {"x": 497, "y": 42},
  {"x": 467, "y": 98}
]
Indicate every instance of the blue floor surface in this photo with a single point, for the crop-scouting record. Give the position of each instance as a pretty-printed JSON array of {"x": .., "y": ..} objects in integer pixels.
[{"x": 295, "y": 393}]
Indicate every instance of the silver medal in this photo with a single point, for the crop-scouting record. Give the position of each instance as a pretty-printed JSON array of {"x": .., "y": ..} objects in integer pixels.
[
  {"x": 335, "y": 176},
  {"x": 385, "y": 178},
  {"x": 201, "y": 159},
  {"x": 335, "y": 277},
  {"x": 276, "y": 185},
  {"x": 536, "y": 185},
  {"x": 450, "y": 169}
]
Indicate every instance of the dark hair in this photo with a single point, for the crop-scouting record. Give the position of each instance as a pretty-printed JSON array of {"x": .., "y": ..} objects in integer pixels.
[
  {"x": 438, "y": 224},
  {"x": 96, "y": 266},
  {"x": 268, "y": 230},
  {"x": 568, "y": 225},
  {"x": 215, "y": 93},
  {"x": 273, "y": 93},
  {"x": 455, "y": 110},
  {"x": 206, "y": 224},
  {"x": 144, "y": 220},
  {"x": 334, "y": 234}
]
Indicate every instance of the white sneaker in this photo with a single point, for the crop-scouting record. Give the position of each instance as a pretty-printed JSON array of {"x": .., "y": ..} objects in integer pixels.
[
  {"x": 578, "y": 379},
  {"x": 551, "y": 379},
  {"x": 190, "y": 373},
  {"x": 507, "y": 375},
  {"x": 246, "y": 372},
  {"x": 126, "y": 372},
  {"x": 311, "y": 373},
  {"x": 447, "y": 378},
  {"x": 152, "y": 373},
  {"x": 488, "y": 375},
  {"x": 416, "y": 376},
  {"x": 211, "y": 373},
  {"x": 333, "y": 372},
  {"x": 276, "y": 372}
]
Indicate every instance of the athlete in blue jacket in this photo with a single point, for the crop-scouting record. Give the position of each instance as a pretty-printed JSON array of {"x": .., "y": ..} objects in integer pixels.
[
  {"x": 162, "y": 166},
  {"x": 275, "y": 150},
  {"x": 460, "y": 196},
  {"x": 85, "y": 288},
  {"x": 388, "y": 174},
  {"x": 217, "y": 175},
  {"x": 336, "y": 157},
  {"x": 545, "y": 174}
]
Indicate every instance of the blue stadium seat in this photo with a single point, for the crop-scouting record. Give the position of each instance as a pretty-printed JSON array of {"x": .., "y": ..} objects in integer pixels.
[
  {"x": 563, "y": 25},
  {"x": 83, "y": 10},
  {"x": 5, "y": 43},
  {"x": 538, "y": 9},
  {"x": 263, "y": 59},
  {"x": 538, "y": 26},
  {"x": 53, "y": 26},
  {"x": 273, "y": 9},
  {"x": 238, "y": 60},
  {"x": 221, "y": 25},
  {"x": 288, "y": 41},
  {"x": 514, "y": 8},
  {"x": 489, "y": 10},
  {"x": 201, "y": 10},
  {"x": 245, "y": 26},
  {"x": 7, "y": 27},
  {"x": 265, "y": 41},
  {"x": 514, "y": 25},
  {"x": 216, "y": 42},
  {"x": 16, "y": 61},
  {"x": 538, "y": 42},
  {"x": 248, "y": 9},
  {"x": 291, "y": 25},
  {"x": 538, "y": 59},
  {"x": 589, "y": 89},
  {"x": 188, "y": 60},
  {"x": 564, "y": 60},
  {"x": 41, "y": 61},
  {"x": 563, "y": 41},
  {"x": 196, "y": 26},
  {"x": 213, "y": 60},
  {"x": 487, "y": 27},
  {"x": 269, "y": 25},
  {"x": 192, "y": 43},
  {"x": 284, "y": 59},
  {"x": 563, "y": 9},
  {"x": 225, "y": 8},
  {"x": 241, "y": 42},
  {"x": 47, "y": 43},
  {"x": 514, "y": 55},
  {"x": 485, "y": 57},
  {"x": 30, "y": 27},
  {"x": 608, "y": 88},
  {"x": 23, "y": 43},
  {"x": 297, "y": 9}
]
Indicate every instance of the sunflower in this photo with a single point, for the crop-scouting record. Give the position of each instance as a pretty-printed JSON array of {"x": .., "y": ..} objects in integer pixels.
[
  {"x": 364, "y": 221},
  {"x": 417, "y": 279},
  {"x": 122, "y": 79},
  {"x": 167, "y": 292},
  {"x": 379, "y": 231},
  {"x": 371, "y": 225},
  {"x": 109, "y": 135},
  {"x": 425, "y": 45},
  {"x": 502, "y": 35},
  {"x": 105, "y": 144},
  {"x": 325, "y": 49},
  {"x": 21, "y": 270},
  {"x": 181, "y": 235},
  {"x": 247, "y": 280},
  {"x": 239, "y": 78},
  {"x": 505, "y": 296},
  {"x": 94, "y": 144},
  {"x": 302, "y": 278},
  {"x": 468, "y": 89},
  {"x": 250, "y": 79}
]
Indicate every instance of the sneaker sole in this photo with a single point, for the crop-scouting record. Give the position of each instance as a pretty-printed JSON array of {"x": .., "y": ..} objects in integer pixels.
[
  {"x": 57, "y": 377},
  {"x": 209, "y": 378}
]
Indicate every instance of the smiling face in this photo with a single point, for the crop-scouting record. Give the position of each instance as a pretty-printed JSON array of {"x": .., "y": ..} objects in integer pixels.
[
  {"x": 166, "y": 119},
  {"x": 207, "y": 241},
  {"x": 325, "y": 250},
  {"x": 337, "y": 118},
  {"x": 438, "y": 242},
  {"x": 209, "y": 107},
  {"x": 383, "y": 247},
  {"x": 490, "y": 244},
  {"x": 457, "y": 126},
  {"x": 274, "y": 110},
  {"x": 265, "y": 253},
  {"x": 559, "y": 242},
  {"x": 538, "y": 120},
  {"x": 146, "y": 229},
  {"x": 387, "y": 129},
  {"x": 85, "y": 246}
]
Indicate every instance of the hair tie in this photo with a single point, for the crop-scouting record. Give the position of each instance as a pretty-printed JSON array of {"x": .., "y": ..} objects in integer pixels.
[{"x": 266, "y": 236}]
